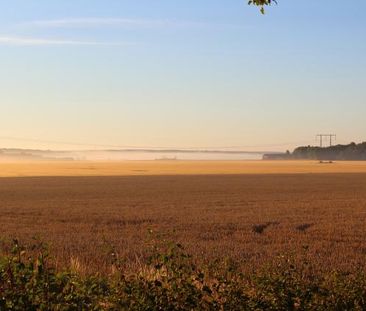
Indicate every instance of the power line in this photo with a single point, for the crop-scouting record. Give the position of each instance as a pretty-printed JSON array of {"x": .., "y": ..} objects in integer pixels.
[{"x": 54, "y": 142}]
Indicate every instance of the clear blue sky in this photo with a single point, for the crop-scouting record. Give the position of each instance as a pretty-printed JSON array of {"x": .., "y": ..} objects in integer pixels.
[{"x": 182, "y": 73}]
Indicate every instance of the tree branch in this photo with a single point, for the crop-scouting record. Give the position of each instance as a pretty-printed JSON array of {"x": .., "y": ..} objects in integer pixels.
[{"x": 262, "y": 3}]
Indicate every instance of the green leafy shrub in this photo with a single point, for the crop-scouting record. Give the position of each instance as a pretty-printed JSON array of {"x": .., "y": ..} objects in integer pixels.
[{"x": 170, "y": 280}]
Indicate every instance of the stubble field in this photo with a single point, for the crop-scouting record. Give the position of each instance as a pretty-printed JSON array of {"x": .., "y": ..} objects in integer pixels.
[
  {"x": 250, "y": 218},
  {"x": 154, "y": 168}
]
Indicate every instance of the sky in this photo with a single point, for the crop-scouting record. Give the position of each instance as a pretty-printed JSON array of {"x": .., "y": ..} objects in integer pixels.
[{"x": 181, "y": 73}]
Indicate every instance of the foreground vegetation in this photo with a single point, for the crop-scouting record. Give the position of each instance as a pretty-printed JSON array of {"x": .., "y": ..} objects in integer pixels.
[
  {"x": 170, "y": 280},
  {"x": 101, "y": 258}
]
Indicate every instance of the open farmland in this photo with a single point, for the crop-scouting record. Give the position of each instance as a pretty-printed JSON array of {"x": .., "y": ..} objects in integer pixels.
[
  {"x": 247, "y": 217},
  {"x": 127, "y": 168}
]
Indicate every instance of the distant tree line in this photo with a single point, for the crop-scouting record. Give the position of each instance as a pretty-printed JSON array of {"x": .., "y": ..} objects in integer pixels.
[{"x": 351, "y": 152}]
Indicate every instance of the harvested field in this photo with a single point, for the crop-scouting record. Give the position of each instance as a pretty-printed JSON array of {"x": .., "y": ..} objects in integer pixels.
[
  {"x": 128, "y": 168},
  {"x": 250, "y": 218}
]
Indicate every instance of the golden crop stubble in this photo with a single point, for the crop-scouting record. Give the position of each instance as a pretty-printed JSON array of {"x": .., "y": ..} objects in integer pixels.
[{"x": 250, "y": 218}]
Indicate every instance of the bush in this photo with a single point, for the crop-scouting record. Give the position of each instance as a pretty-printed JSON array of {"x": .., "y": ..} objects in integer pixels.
[{"x": 171, "y": 281}]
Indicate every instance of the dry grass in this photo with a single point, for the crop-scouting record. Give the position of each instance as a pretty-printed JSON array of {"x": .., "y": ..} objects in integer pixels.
[
  {"x": 127, "y": 168},
  {"x": 214, "y": 216}
]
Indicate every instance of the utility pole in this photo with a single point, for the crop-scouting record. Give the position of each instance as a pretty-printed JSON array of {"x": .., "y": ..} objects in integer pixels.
[
  {"x": 330, "y": 136},
  {"x": 321, "y": 139}
]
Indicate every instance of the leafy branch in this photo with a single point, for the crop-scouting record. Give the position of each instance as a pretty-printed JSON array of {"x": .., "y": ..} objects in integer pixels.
[{"x": 262, "y": 3}]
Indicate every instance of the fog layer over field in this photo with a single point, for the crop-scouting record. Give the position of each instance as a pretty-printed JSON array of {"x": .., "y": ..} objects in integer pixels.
[{"x": 128, "y": 155}]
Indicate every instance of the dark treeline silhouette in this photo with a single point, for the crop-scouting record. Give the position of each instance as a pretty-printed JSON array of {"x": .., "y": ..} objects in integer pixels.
[{"x": 351, "y": 152}]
